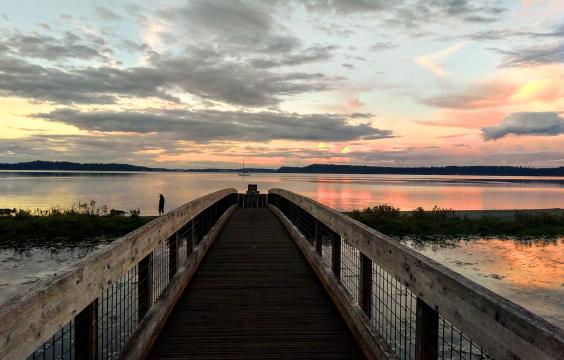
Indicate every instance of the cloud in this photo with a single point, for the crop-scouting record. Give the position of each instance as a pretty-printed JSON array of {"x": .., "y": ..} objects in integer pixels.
[
  {"x": 533, "y": 56},
  {"x": 412, "y": 15},
  {"x": 201, "y": 72},
  {"x": 383, "y": 45},
  {"x": 470, "y": 11},
  {"x": 526, "y": 123},
  {"x": 505, "y": 34},
  {"x": 212, "y": 125},
  {"x": 433, "y": 61},
  {"x": 69, "y": 46},
  {"x": 90, "y": 85},
  {"x": 230, "y": 52},
  {"x": 107, "y": 14},
  {"x": 312, "y": 54},
  {"x": 483, "y": 95},
  {"x": 241, "y": 28},
  {"x": 348, "y": 6}
]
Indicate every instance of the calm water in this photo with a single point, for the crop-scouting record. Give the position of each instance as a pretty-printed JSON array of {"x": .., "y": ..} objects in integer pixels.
[
  {"x": 344, "y": 192},
  {"x": 529, "y": 273}
]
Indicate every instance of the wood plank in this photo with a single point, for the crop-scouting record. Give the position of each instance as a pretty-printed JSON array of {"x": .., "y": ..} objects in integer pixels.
[{"x": 255, "y": 297}]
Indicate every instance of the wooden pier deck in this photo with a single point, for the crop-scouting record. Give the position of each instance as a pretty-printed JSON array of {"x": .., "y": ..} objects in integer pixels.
[{"x": 255, "y": 297}]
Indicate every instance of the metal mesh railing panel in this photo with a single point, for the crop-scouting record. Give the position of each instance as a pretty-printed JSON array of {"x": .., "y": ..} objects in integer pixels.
[
  {"x": 390, "y": 307},
  {"x": 124, "y": 303}
]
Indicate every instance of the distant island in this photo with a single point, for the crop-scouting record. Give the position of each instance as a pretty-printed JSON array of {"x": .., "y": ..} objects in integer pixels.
[{"x": 310, "y": 169}]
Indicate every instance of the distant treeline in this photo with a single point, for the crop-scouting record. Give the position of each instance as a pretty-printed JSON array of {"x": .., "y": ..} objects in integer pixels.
[
  {"x": 71, "y": 166},
  {"x": 310, "y": 169},
  {"x": 443, "y": 170}
]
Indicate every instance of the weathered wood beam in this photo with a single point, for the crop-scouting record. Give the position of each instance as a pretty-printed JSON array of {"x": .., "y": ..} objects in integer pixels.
[
  {"x": 29, "y": 320},
  {"x": 512, "y": 331}
]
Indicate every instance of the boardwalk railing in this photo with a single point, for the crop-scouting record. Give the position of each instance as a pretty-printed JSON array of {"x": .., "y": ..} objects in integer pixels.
[
  {"x": 114, "y": 302},
  {"x": 401, "y": 304}
]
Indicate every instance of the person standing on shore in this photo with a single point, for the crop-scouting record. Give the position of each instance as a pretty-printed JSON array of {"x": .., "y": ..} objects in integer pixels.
[{"x": 161, "y": 204}]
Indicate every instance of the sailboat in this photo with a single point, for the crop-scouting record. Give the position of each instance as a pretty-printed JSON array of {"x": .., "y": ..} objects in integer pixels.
[{"x": 244, "y": 172}]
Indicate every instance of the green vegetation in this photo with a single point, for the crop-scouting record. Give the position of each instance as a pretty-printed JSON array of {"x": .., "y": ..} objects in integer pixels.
[
  {"x": 440, "y": 222},
  {"x": 80, "y": 225}
]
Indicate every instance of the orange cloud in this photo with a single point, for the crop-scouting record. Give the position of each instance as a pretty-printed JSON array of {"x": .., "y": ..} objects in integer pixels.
[
  {"x": 465, "y": 119},
  {"x": 354, "y": 103}
]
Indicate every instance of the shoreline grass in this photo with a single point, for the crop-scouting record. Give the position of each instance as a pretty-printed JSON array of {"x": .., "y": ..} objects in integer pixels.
[
  {"x": 441, "y": 223},
  {"x": 80, "y": 225}
]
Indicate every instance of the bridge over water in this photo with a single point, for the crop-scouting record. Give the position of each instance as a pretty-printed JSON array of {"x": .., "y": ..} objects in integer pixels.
[{"x": 273, "y": 276}]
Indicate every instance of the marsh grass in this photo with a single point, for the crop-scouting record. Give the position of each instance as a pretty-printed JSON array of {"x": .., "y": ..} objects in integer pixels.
[
  {"x": 83, "y": 223},
  {"x": 441, "y": 223}
]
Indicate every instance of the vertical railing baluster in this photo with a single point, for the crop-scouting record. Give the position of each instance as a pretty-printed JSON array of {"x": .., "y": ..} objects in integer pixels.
[
  {"x": 144, "y": 272},
  {"x": 86, "y": 333},
  {"x": 318, "y": 238},
  {"x": 426, "y": 332},
  {"x": 336, "y": 255},
  {"x": 365, "y": 285},
  {"x": 172, "y": 255}
]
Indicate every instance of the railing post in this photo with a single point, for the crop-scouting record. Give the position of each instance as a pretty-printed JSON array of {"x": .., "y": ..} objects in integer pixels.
[
  {"x": 365, "y": 285},
  {"x": 86, "y": 333},
  {"x": 144, "y": 284},
  {"x": 193, "y": 238},
  {"x": 172, "y": 255},
  {"x": 336, "y": 255},
  {"x": 318, "y": 239},
  {"x": 426, "y": 332}
]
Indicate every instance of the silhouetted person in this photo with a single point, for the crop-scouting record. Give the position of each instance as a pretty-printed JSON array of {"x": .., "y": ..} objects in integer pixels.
[{"x": 161, "y": 204}]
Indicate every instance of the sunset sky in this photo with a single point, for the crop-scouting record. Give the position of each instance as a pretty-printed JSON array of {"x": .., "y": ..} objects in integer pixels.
[{"x": 212, "y": 83}]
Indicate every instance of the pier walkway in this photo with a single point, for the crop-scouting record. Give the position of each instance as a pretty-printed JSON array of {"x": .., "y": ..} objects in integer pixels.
[{"x": 255, "y": 297}]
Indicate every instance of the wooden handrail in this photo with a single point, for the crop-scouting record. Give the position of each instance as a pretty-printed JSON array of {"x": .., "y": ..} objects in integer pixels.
[
  {"x": 504, "y": 329},
  {"x": 29, "y": 320}
]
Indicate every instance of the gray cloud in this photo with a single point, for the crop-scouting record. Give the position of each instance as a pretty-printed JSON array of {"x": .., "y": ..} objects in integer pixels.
[
  {"x": 213, "y": 125},
  {"x": 471, "y": 11},
  {"x": 201, "y": 72},
  {"x": 383, "y": 45},
  {"x": 538, "y": 55},
  {"x": 527, "y": 123},
  {"x": 69, "y": 46},
  {"x": 348, "y": 6},
  {"x": 504, "y": 34},
  {"x": 313, "y": 54},
  {"x": 234, "y": 52},
  {"x": 241, "y": 27},
  {"x": 107, "y": 14},
  {"x": 411, "y": 15},
  {"x": 89, "y": 85},
  {"x": 245, "y": 30},
  {"x": 412, "y": 12}
]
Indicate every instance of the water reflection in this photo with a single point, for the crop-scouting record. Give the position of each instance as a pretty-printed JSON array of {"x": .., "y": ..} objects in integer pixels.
[
  {"x": 528, "y": 272},
  {"x": 20, "y": 269},
  {"x": 344, "y": 192}
]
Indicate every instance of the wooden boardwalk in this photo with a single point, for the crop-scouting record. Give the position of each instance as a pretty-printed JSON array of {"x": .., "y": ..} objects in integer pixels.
[{"x": 255, "y": 297}]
